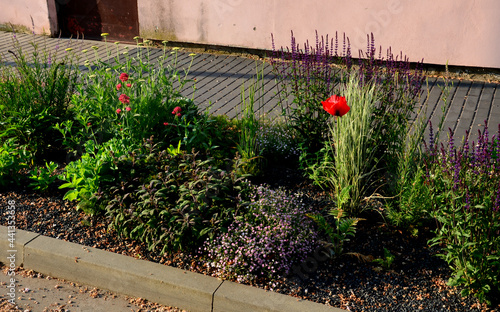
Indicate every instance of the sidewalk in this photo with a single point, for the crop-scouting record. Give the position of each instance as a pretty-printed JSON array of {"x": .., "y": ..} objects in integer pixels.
[{"x": 219, "y": 80}]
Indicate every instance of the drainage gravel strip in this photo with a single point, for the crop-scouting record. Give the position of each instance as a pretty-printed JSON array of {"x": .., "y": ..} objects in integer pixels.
[{"x": 140, "y": 278}]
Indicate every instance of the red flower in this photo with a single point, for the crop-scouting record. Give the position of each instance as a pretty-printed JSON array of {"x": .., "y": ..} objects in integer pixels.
[
  {"x": 118, "y": 86},
  {"x": 89, "y": 124},
  {"x": 124, "y": 99},
  {"x": 118, "y": 111},
  {"x": 178, "y": 114},
  {"x": 176, "y": 110},
  {"x": 123, "y": 77},
  {"x": 165, "y": 123},
  {"x": 128, "y": 109},
  {"x": 336, "y": 105},
  {"x": 129, "y": 85}
]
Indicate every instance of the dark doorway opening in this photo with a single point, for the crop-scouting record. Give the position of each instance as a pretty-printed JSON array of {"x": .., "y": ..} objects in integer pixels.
[{"x": 91, "y": 18}]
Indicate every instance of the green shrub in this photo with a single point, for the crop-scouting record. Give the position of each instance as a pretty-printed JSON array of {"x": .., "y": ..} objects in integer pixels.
[
  {"x": 84, "y": 176},
  {"x": 171, "y": 201},
  {"x": 35, "y": 96},
  {"x": 43, "y": 177},
  {"x": 136, "y": 98},
  {"x": 465, "y": 195},
  {"x": 13, "y": 158}
]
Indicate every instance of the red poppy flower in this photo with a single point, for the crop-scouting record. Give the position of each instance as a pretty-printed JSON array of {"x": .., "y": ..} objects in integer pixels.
[
  {"x": 118, "y": 86},
  {"x": 336, "y": 105},
  {"x": 176, "y": 110},
  {"x": 124, "y": 99},
  {"x": 123, "y": 77}
]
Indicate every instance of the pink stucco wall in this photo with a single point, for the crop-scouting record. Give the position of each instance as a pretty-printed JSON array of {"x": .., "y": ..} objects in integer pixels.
[
  {"x": 20, "y": 12},
  {"x": 462, "y": 32}
]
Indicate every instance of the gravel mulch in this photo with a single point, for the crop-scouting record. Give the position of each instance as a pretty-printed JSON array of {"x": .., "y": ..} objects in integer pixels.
[{"x": 416, "y": 281}]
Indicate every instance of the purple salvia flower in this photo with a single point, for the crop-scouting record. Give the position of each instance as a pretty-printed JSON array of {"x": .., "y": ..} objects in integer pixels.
[
  {"x": 451, "y": 145},
  {"x": 456, "y": 169},
  {"x": 467, "y": 199},
  {"x": 431, "y": 140},
  {"x": 336, "y": 44},
  {"x": 473, "y": 159}
]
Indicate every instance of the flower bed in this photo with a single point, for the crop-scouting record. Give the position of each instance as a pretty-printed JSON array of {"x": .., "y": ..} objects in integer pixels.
[{"x": 137, "y": 162}]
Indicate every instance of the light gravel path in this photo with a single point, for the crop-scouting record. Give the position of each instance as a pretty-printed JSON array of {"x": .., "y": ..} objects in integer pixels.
[{"x": 36, "y": 292}]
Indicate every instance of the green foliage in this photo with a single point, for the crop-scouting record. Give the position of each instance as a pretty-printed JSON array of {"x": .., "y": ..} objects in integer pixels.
[
  {"x": 251, "y": 159},
  {"x": 410, "y": 195},
  {"x": 465, "y": 196},
  {"x": 171, "y": 202},
  {"x": 339, "y": 232},
  {"x": 133, "y": 97},
  {"x": 470, "y": 245},
  {"x": 35, "y": 96},
  {"x": 413, "y": 202},
  {"x": 385, "y": 262},
  {"x": 13, "y": 158},
  {"x": 84, "y": 176},
  {"x": 43, "y": 177}
]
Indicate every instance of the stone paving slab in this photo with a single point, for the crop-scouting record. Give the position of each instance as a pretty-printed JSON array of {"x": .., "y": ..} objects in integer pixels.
[{"x": 220, "y": 78}]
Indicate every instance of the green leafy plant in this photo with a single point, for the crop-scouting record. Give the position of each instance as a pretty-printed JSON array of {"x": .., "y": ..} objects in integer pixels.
[
  {"x": 339, "y": 232},
  {"x": 84, "y": 176},
  {"x": 465, "y": 196},
  {"x": 277, "y": 141},
  {"x": 134, "y": 97},
  {"x": 43, "y": 177},
  {"x": 410, "y": 195},
  {"x": 36, "y": 96},
  {"x": 13, "y": 158},
  {"x": 386, "y": 261},
  {"x": 342, "y": 228},
  {"x": 170, "y": 202}
]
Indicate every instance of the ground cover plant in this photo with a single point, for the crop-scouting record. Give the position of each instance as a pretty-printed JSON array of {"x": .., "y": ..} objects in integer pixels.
[{"x": 140, "y": 158}]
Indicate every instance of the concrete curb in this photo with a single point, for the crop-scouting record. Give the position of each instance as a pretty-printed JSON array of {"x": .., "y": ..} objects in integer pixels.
[{"x": 139, "y": 278}]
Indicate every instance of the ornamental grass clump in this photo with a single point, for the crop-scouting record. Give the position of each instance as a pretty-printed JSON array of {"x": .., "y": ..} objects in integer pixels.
[
  {"x": 267, "y": 241},
  {"x": 465, "y": 202},
  {"x": 348, "y": 157}
]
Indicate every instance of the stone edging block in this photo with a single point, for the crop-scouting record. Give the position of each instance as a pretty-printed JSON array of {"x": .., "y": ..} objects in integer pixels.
[{"x": 140, "y": 278}]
